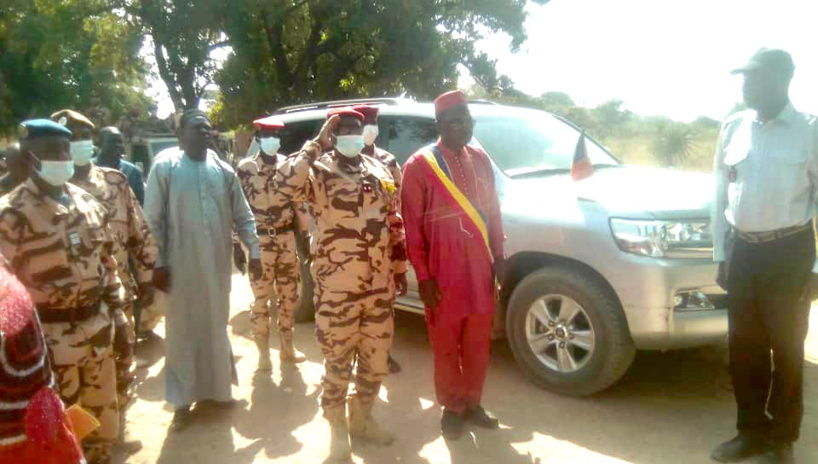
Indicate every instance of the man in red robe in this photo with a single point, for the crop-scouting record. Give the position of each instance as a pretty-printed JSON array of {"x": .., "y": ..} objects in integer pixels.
[{"x": 454, "y": 237}]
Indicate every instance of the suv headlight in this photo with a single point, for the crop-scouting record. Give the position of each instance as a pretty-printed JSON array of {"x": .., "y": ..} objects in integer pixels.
[{"x": 663, "y": 239}]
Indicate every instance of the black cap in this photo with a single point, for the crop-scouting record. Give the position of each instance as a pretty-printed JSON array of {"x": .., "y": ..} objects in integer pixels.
[
  {"x": 772, "y": 59},
  {"x": 33, "y": 128},
  {"x": 191, "y": 114}
]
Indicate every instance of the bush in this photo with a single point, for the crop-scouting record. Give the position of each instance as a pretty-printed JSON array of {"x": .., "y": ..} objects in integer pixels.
[{"x": 674, "y": 143}]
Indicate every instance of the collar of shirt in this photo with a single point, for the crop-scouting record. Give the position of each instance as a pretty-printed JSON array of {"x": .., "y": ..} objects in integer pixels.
[
  {"x": 786, "y": 116},
  {"x": 57, "y": 208}
]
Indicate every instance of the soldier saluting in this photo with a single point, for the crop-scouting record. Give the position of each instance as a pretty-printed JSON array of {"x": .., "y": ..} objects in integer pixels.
[
  {"x": 359, "y": 262},
  {"x": 57, "y": 239}
]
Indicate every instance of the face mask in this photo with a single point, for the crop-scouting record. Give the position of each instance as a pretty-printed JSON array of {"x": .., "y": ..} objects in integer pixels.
[
  {"x": 370, "y": 134},
  {"x": 349, "y": 145},
  {"x": 82, "y": 151},
  {"x": 56, "y": 173},
  {"x": 270, "y": 145}
]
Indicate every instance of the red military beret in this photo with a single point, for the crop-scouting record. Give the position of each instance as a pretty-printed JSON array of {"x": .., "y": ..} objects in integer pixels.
[
  {"x": 344, "y": 111},
  {"x": 268, "y": 123},
  {"x": 370, "y": 112},
  {"x": 450, "y": 100}
]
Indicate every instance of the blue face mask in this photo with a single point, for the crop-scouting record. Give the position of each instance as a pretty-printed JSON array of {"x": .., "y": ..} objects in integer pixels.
[{"x": 349, "y": 145}]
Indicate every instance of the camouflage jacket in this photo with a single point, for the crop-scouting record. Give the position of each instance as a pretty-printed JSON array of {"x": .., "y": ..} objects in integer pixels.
[
  {"x": 63, "y": 254},
  {"x": 358, "y": 241},
  {"x": 270, "y": 207},
  {"x": 391, "y": 163},
  {"x": 127, "y": 223}
]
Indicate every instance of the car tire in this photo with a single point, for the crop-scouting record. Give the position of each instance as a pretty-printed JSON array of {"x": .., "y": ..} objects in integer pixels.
[
  {"x": 305, "y": 308},
  {"x": 612, "y": 350}
]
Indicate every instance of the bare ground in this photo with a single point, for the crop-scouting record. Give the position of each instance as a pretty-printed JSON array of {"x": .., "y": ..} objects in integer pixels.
[{"x": 670, "y": 408}]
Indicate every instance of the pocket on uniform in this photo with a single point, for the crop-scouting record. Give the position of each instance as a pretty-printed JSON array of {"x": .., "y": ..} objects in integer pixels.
[{"x": 47, "y": 268}]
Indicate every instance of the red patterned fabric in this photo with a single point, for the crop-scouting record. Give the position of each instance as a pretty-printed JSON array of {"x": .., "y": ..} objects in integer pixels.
[
  {"x": 449, "y": 100},
  {"x": 33, "y": 425}
]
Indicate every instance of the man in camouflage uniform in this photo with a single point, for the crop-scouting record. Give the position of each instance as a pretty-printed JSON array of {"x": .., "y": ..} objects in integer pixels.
[
  {"x": 57, "y": 239},
  {"x": 388, "y": 159},
  {"x": 134, "y": 243},
  {"x": 276, "y": 227},
  {"x": 358, "y": 263}
]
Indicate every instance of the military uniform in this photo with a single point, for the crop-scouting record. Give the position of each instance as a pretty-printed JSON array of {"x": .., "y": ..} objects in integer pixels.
[
  {"x": 357, "y": 247},
  {"x": 64, "y": 254},
  {"x": 134, "y": 244},
  {"x": 276, "y": 225}
]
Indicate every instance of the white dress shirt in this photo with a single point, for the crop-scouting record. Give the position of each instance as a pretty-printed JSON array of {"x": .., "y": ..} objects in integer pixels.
[{"x": 766, "y": 174}]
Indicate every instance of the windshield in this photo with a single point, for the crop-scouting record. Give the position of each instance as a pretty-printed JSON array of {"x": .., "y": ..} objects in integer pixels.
[{"x": 533, "y": 141}]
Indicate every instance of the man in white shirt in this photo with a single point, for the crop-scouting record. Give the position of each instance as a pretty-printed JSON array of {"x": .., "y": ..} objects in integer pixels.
[{"x": 766, "y": 169}]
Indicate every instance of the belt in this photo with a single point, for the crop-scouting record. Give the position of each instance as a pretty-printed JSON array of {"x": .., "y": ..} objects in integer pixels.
[
  {"x": 273, "y": 231},
  {"x": 56, "y": 316},
  {"x": 773, "y": 235}
]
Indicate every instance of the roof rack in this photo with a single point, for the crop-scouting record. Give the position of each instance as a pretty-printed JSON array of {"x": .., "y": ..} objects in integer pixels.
[{"x": 336, "y": 103}]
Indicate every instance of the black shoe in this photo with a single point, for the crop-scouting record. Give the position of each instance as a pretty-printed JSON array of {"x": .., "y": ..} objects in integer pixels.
[
  {"x": 181, "y": 419},
  {"x": 394, "y": 367},
  {"x": 481, "y": 417},
  {"x": 779, "y": 453},
  {"x": 451, "y": 425},
  {"x": 738, "y": 449}
]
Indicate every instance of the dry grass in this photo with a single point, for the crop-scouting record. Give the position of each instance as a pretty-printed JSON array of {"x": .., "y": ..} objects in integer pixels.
[{"x": 638, "y": 150}]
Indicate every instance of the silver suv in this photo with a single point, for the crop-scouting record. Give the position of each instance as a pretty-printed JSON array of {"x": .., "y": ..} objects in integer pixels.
[{"x": 597, "y": 268}]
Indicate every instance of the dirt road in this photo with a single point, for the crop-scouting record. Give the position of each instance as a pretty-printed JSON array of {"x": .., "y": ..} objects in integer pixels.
[{"x": 670, "y": 408}]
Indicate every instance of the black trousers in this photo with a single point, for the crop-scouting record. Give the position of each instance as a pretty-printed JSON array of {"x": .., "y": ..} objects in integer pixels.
[{"x": 766, "y": 313}]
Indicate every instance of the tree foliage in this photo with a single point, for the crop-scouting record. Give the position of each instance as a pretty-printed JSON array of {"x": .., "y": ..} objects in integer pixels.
[
  {"x": 295, "y": 51},
  {"x": 183, "y": 35},
  {"x": 80, "y": 54}
]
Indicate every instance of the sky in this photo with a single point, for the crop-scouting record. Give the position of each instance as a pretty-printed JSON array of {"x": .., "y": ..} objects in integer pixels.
[{"x": 661, "y": 57}]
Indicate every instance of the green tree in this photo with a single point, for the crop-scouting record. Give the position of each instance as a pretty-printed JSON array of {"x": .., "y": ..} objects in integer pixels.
[
  {"x": 80, "y": 54},
  {"x": 556, "y": 100},
  {"x": 674, "y": 143},
  {"x": 296, "y": 51},
  {"x": 183, "y": 35}
]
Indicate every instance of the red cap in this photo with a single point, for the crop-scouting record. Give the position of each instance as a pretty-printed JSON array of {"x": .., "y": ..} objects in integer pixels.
[
  {"x": 370, "y": 112},
  {"x": 344, "y": 111},
  {"x": 450, "y": 100},
  {"x": 268, "y": 123}
]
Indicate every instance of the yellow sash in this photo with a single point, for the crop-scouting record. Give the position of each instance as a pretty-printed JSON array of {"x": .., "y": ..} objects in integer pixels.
[{"x": 461, "y": 199}]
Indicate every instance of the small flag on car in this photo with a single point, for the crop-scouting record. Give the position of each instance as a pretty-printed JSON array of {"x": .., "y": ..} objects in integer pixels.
[{"x": 582, "y": 167}]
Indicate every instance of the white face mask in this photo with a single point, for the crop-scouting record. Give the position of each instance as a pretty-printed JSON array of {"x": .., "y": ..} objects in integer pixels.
[
  {"x": 55, "y": 173},
  {"x": 349, "y": 145},
  {"x": 82, "y": 151},
  {"x": 270, "y": 145},
  {"x": 370, "y": 134}
]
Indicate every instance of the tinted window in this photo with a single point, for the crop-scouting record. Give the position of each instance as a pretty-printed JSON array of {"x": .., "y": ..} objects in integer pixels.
[
  {"x": 296, "y": 133},
  {"x": 139, "y": 157},
  {"x": 406, "y": 135}
]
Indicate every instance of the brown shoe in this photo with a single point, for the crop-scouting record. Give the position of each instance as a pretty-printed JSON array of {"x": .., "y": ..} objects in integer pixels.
[{"x": 182, "y": 419}]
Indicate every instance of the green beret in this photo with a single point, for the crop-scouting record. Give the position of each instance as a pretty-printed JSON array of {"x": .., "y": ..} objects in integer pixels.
[{"x": 33, "y": 128}]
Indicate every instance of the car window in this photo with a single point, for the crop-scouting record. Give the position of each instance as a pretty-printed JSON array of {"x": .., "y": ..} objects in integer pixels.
[
  {"x": 405, "y": 135},
  {"x": 535, "y": 141},
  {"x": 139, "y": 157},
  {"x": 295, "y": 134}
]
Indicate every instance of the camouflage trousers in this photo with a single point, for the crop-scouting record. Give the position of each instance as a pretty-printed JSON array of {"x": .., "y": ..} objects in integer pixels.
[
  {"x": 85, "y": 374},
  {"x": 125, "y": 366},
  {"x": 151, "y": 315},
  {"x": 352, "y": 325},
  {"x": 282, "y": 273}
]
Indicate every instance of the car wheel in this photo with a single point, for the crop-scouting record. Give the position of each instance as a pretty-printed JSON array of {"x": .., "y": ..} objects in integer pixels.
[
  {"x": 568, "y": 332},
  {"x": 305, "y": 309}
]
